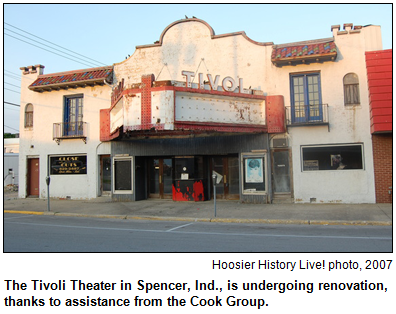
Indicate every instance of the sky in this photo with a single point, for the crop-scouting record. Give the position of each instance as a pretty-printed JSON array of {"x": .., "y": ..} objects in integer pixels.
[{"x": 65, "y": 37}]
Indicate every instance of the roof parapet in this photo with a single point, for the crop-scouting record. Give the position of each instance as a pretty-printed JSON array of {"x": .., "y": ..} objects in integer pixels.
[
  {"x": 348, "y": 29},
  {"x": 33, "y": 69}
]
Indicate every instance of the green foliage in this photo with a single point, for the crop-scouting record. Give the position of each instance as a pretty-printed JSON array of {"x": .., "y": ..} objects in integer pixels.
[{"x": 10, "y": 135}]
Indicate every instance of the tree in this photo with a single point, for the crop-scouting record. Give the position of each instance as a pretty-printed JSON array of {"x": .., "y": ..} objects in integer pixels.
[{"x": 10, "y": 135}]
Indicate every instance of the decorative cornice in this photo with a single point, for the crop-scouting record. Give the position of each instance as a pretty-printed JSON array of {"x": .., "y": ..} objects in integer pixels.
[{"x": 211, "y": 31}]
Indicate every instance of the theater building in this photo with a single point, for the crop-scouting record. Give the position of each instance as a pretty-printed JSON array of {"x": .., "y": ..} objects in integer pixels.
[{"x": 274, "y": 123}]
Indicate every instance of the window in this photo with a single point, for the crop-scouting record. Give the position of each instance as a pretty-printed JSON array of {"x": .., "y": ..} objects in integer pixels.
[
  {"x": 122, "y": 171},
  {"x": 29, "y": 116},
  {"x": 351, "y": 89},
  {"x": 341, "y": 157},
  {"x": 73, "y": 116},
  {"x": 305, "y": 98}
]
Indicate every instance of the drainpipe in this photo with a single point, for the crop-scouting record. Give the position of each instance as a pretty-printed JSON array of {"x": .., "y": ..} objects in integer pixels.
[{"x": 112, "y": 86}]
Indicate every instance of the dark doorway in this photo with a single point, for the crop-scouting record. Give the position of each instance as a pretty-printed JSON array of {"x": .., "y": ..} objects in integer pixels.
[
  {"x": 281, "y": 179},
  {"x": 105, "y": 174}
]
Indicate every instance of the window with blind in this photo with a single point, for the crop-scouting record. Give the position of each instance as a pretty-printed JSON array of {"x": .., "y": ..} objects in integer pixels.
[
  {"x": 29, "y": 116},
  {"x": 351, "y": 90}
]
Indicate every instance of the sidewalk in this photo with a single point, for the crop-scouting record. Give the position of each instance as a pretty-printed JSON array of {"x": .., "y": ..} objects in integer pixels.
[{"x": 226, "y": 211}]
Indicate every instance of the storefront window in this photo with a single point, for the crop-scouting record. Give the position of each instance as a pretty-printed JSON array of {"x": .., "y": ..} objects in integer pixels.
[
  {"x": 342, "y": 157},
  {"x": 68, "y": 165},
  {"x": 122, "y": 170}
]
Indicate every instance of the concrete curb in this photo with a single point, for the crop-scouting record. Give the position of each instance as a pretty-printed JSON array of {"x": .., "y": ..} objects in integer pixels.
[
  {"x": 26, "y": 212},
  {"x": 215, "y": 220},
  {"x": 350, "y": 223},
  {"x": 106, "y": 216},
  {"x": 169, "y": 218}
]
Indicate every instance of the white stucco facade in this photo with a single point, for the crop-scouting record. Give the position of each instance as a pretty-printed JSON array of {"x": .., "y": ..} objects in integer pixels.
[
  {"x": 38, "y": 142},
  {"x": 191, "y": 45},
  {"x": 347, "y": 124}
]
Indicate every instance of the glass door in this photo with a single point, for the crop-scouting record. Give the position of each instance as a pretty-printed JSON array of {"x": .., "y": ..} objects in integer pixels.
[
  {"x": 166, "y": 178},
  {"x": 233, "y": 177},
  {"x": 228, "y": 168},
  {"x": 105, "y": 174},
  {"x": 281, "y": 171},
  {"x": 306, "y": 98},
  {"x": 73, "y": 116},
  {"x": 160, "y": 178}
]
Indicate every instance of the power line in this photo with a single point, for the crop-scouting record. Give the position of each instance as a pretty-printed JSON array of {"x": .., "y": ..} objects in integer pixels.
[
  {"x": 47, "y": 50},
  {"x": 11, "y": 109},
  {"x": 11, "y": 128},
  {"x": 12, "y": 73},
  {"x": 10, "y": 103},
  {"x": 16, "y": 76},
  {"x": 54, "y": 44},
  {"x": 10, "y": 76},
  {"x": 12, "y": 90},
  {"x": 48, "y": 46},
  {"x": 12, "y": 84}
]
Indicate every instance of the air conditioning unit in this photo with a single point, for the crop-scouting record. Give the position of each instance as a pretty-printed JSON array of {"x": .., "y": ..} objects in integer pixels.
[{"x": 279, "y": 142}]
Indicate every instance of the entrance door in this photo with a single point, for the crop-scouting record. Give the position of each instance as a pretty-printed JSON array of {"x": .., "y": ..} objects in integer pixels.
[
  {"x": 160, "y": 178},
  {"x": 228, "y": 167},
  {"x": 33, "y": 177},
  {"x": 281, "y": 172},
  {"x": 105, "y": 174}
]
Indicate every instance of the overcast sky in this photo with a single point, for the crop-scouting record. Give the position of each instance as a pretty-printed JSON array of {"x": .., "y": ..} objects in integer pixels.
[{"x": 103, "y": 34}]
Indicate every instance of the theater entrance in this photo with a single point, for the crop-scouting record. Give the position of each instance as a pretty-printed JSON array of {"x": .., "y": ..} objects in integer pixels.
[
  {"x": 228, "y": 168},
  {"x": 160, "y": 178}
]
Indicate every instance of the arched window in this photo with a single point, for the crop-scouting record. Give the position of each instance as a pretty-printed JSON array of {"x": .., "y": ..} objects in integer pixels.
[
  {"x": 29, "y": 116},
  {"x": 351, "y": 89}
]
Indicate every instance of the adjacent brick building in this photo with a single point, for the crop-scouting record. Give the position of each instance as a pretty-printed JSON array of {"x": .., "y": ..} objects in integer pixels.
[{"x": 379, "y": 76}]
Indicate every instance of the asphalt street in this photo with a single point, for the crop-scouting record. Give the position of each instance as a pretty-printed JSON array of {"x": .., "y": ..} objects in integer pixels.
[{"x": 32, "y": 233}]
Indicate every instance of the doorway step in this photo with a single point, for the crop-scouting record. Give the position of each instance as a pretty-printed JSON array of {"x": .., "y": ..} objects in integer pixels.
[{"x": 283, "y": 199}]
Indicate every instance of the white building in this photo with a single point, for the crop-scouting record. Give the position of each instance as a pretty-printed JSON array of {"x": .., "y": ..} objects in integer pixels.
[
  {"x": 345, "y": 132},
  {"x": 60, "y": 132},
  {"x": 283, "y": 122},
  {"x": 10, "y": 165},
  {"x": 11, "y": 145}
]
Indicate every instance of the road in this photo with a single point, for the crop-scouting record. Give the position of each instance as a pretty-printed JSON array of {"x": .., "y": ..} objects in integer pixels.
[{"x": 31, "y": 233}]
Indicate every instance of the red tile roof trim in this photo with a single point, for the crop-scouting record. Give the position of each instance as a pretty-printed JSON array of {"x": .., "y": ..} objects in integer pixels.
[
  {"x": 323, "y": 50},
  {"x": 72, "y": 77}
]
